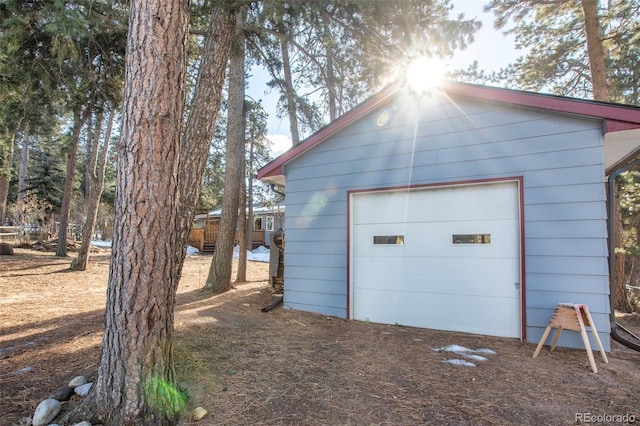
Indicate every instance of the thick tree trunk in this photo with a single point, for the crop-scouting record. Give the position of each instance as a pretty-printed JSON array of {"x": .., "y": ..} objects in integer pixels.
[
  {"x": 202, "y": 117},
  {"x": 96, "y": 164},
  {"x": 595, "y": 50},
  {"x": 219, "y": 278},
  {"x": 65, "y": 209},
  {"x": 6, "y": 158},
  {"x": 136, "y": 380}
]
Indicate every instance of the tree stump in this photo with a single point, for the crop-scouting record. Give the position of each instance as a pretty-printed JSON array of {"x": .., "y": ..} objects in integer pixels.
[{"x": 6, "y": 249}]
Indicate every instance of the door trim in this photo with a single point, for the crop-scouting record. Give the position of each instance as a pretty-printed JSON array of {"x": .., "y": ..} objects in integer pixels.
[{"x": 411, "y": 188}]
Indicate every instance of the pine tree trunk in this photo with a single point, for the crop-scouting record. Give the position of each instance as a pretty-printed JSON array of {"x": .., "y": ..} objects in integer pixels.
[
  {"x": 65, "y": 209},
  {"x": 95, "y": 183},
  {"x": 634, "y": 273},
  {"x": 243, "y": 238},
  {"x": 6, "y": 159},
  {"x": 202, "y": 117},
  {"x": 219, "y": 278},
  {"x": 93, "y": 144},
  {"x": 246, "y": 223},
  {"x": 331, "y": 77},
  {"x": 634, "y": 280},
  {"x": 136, "y": 366},
  {"x": 22, "y": 171},
  {"x": 595, "y": 50},
  {"x": 621, "y": 298},
  {"x": 249, "y": 191},
  {"x": 289, "y": 91}
]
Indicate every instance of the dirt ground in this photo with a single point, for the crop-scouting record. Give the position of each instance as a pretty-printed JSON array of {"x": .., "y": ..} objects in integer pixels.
[{"x": 293, "y": 368}]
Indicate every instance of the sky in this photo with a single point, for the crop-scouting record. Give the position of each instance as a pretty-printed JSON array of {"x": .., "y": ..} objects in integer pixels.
[{"x": 491, "y": 49}]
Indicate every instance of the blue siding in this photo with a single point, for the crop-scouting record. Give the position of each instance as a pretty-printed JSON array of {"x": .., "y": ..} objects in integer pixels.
[
  {"x": 566, "y": 247},
  {"x": 569, "y": 210},
  {"x": 546, "y": 282},
  {"x": 561, "y": 161},
  {"x": 304, "y": 273},
  {"x": 321, "y": 247}
]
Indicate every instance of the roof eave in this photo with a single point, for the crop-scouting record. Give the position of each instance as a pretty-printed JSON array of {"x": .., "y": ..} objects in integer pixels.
[{"x": 616, "y": 117}]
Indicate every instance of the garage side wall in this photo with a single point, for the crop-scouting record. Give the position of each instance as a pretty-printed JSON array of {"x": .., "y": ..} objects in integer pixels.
[{"x": 435, "y": 140}]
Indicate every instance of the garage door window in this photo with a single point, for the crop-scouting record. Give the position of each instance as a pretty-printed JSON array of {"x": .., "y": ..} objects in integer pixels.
[
  {"x": 471, "y": 239},
  {"x": 397, "y": 240}
]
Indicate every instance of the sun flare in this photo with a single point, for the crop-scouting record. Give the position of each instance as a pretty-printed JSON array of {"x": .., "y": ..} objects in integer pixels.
[{"x": 424, "y": 74}]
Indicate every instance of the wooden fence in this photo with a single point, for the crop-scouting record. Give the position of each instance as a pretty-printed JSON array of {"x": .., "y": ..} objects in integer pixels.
[
  {"x": 10, "y": 234},
  {"x": 204, "y": 239}
]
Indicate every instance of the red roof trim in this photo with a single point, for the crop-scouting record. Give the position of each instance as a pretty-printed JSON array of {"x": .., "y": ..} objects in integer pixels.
[
  {"x": 616, "y": 126},
  {"x": 603, "y": 110},
  {"x": 617, "y": 117}
]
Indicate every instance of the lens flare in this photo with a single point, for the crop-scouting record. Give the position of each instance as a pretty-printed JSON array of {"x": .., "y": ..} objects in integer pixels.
[
  {"x": 164, "y": 397},
  {"x": 425, "y": 73}
]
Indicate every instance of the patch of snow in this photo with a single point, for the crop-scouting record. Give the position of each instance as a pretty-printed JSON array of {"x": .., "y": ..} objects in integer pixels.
[
  {"x": 465, "y": 353},
  {"x": 23, "y": 370},
  {"x": 485, "y": 351},
  {"x": 100, "y": 243},
  {"x": 461, "y": 350},
  {"x": 473, "y": 357},
  {"x": 260, "y": 254},
  {"x": 459, "y": 362},
  {"x": 454, "y": 348}
]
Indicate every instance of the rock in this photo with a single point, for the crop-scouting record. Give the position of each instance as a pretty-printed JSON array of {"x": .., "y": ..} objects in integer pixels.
[
  {"x": 46, "y": 411},
  {"x": 84, "y": 389},
  {"x": 62, "y": 394},
  {"x": 83, "y": 423},
  {"x": 77, "y": 381},
  {"x": 198, "y": 413}
]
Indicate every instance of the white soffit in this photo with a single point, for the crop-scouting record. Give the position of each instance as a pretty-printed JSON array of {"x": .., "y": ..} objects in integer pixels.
[{"x": 619, "y": 146}]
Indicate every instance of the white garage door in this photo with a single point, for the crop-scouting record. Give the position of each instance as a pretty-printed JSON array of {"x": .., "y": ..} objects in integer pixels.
[{"x": 446, "y": 258}]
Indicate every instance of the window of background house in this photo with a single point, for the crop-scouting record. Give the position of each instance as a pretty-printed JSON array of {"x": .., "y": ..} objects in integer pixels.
[
  {"x": 257, "y": 224},
  {"x": 270, "y": 223}
]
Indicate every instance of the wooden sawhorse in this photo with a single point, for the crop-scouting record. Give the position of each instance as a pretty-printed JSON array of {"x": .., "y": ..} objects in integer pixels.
[{"x": 574, "y": 317}]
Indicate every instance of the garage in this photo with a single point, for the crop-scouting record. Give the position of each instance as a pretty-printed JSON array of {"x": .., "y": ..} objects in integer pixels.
[
  {"x": 440, "y": 257},
  {"x": 413, "y": 210}
]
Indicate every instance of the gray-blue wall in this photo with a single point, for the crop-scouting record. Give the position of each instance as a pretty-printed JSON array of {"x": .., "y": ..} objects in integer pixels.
[{"x": 560, "y": 158}]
